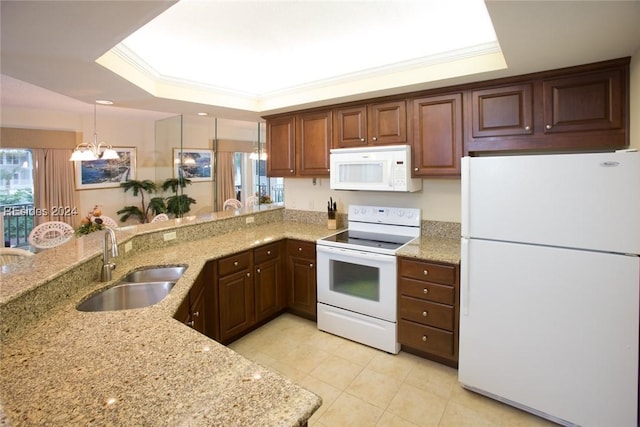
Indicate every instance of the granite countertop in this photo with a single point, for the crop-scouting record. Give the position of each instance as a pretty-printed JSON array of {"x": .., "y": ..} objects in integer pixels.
[{"x": 142, "y": 366}]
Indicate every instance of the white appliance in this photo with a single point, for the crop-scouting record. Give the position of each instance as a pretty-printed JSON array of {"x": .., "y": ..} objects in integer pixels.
[
  {"x": 380, "y": 168},
  {"x": 357, "y": 274},
  {"x": 549, "y": 284}
]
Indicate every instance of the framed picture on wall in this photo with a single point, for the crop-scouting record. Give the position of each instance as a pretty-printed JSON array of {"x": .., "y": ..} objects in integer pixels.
[
  {"x": 193, "y": 164},
  {"x": 93, "y": 174}
]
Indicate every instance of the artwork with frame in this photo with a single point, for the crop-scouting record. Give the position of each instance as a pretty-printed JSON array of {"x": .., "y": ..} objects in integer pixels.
[
  {"x": 94, "y": 174},
  {"x": 195, "y": 164}
]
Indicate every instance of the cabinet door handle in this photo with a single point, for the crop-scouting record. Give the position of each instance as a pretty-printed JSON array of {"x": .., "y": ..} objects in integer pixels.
[
  {"x": 416, "y": 169},
  {"x": 311, "y": 265},
  {"x": 375, "y": 138},
  {"x": 258, "y": 271},
  {"x": 527, "y": 128},
  {"x": 248, "y": 274},
  {"x": 424, "y": 338},
  {"x": 235, "y": 263},
  {"x": 290, "y": 170},
  {"x": 425, "y": 314},
  {"x": 268, "y": 252},
  {"x": 190, "y": 323},
  {"x": 548, "y": 127},
  {"x": 361, "y": 139},
  {"x": 425, "y": 291},
  {"x": 196, "y": 313},
  {"x": 299, "y": 249},
  {"x": 425, "y": 272}
]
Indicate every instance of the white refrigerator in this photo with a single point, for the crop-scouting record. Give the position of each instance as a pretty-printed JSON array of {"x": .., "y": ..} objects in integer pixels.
[{"x": 550, "y": 275}]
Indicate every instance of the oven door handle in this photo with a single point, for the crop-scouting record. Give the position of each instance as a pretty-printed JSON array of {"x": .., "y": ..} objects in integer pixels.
[{"x": 356, "y": 253}]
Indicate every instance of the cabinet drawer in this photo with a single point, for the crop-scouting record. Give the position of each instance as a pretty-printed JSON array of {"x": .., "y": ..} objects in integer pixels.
[
  {"x": 234, "y": 263},
  {"x": 426, "y": 290},
  {"x": 425, "y": 312},
  {"x": 425, "y": 338},
  {"x": 266, "y": 252},
  {"x": 302, "y": 249},
  {"x": 421, "y": 270}
]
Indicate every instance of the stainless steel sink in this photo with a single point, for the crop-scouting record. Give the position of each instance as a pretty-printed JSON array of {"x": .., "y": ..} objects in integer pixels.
[
  {"x": 141, "y": 288},
  {"x": 126, "y": 296},
  {"x": 155, "y": 274}
]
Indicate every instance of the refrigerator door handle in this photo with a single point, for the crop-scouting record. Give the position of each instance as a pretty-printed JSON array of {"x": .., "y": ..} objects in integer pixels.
[
  {"x": 464, "y": 276},
  {"x": 464, "y": 196}
]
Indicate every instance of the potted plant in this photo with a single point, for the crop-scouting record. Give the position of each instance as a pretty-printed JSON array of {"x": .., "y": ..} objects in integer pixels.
[
  {"x": 155, "y": 206},
  {"x": 177, "y": 204}
]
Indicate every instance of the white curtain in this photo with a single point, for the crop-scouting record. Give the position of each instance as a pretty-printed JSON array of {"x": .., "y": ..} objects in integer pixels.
[{"x": 53, "y": 186}]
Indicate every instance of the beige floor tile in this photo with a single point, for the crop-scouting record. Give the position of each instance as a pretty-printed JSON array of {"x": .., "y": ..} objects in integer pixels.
[
  {"x": 357, "y": 353},
  {"x": 485, "y": 407},
  {"x": 337, "y": 371},
  {"x": 375, "y": 388},
  {"x": 390, "y": 420},
  {"x": 514, "y": 417},
  {"x": 327, "y": 392},
  {"x": 457, "y": 415},
  {"x": 397, "y": 366},
  {"x": 433, "y": 377},
  {"x": 417, "y": 406},
  {"x": 304, "y": 358},
  {"x": 349, "y": 411},
  {"x": 324, "y": 341}
]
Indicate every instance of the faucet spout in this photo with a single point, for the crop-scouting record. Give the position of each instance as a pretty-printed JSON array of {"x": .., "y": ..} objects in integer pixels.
[{"x": 107, "y": 267}]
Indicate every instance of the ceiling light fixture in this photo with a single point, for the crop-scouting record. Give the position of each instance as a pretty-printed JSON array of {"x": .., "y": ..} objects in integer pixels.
[{"x": 93, "y": 150}]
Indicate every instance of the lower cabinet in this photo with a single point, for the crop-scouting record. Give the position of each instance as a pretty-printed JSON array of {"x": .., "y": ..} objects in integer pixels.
[
  {"x": 428, "y": 309},
  {"x": 249, "y": 289},
  {"x": 301, "y": 278},
  {"x": 235, "y": 294},
  {"x": 195, "y": 308}
]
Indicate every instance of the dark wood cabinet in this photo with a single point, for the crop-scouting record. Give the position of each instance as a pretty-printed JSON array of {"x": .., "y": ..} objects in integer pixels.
[
  {"x": 313, "y": 143},
  {"x": 428, "y": 309},
  {"x": 281, "y": 146},
  {"x": 196, "y": 310},
  {"x": 235, "y": 295},
  {"x": 437, "y": 135},
  {"x": 301, "y": 278},
  {"x": 586, "y": 102},
  {"x": 269, "y": 292},
  {"x": 575, "y": 109},
  {"x": 502, "y": 111},
  {"x": 381, "y": 123}
]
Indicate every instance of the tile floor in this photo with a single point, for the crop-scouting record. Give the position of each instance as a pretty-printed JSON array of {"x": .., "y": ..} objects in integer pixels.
[{"x": 361, "y": 386}]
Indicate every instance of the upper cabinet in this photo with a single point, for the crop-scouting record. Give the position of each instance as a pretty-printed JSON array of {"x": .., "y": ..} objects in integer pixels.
[
  {"x": 313, "y": 143},
  {"x": 437, "y": 135},
  {"x": 579, "y": 108},
  {"x": 281, "y": 146},
  {"x": 299, "y": 144},
  {"x": 373, "y": 124}
]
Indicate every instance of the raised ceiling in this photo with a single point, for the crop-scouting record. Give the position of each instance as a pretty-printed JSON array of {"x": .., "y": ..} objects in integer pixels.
[{"x": 55, "y": 45}]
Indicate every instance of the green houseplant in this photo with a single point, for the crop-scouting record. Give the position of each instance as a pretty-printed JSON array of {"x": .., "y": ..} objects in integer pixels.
[
  {"x": 155, "y": 205},
  {"x": 177, "y": 204}
]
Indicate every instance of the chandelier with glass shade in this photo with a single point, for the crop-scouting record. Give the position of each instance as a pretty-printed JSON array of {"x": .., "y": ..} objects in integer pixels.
[{"x": 93, "y": 150}]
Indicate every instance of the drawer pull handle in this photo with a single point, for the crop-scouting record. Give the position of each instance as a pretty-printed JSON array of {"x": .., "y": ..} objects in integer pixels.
[
  {"x": 258, "y": 271},
  {"x": 424, "y": 338},
  {"x": 190, "y": 323},
  {"x": 235, "y": 263},
  {"x": 425, "y": 291},
  {"x": 299, "y": 249},
  {"x": 425, "y": 272},
  {"x": 196, "y": 313},
  {"x": 425, "y": 314},
  {"x": 268, "y": 252}
]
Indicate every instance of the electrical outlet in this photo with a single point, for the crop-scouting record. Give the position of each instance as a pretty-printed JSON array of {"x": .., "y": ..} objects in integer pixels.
[
  {"x": 128, "y": 246},
  {"x": 169, "y": 236},
  {"x": 249, "y": 220}
]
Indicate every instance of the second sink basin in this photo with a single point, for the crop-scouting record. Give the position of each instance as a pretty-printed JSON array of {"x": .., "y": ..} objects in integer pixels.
[
  {"x": 155, "y": 274},
  {"x": 127, "y": 296}
]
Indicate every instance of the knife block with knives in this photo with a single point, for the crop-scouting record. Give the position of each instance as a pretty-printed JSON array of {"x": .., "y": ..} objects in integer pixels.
[{"x": 332, "y": 208}]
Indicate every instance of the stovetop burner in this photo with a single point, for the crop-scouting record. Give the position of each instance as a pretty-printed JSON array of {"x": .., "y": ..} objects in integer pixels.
[{"x": 377, "y": 229}]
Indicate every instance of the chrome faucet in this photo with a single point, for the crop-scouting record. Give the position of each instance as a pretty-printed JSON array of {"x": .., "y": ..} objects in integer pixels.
[{"x": 107, "y": 266}]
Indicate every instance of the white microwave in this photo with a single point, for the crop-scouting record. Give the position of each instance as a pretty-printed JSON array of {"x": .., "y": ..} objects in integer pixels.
[{"x": 380, "y": 168}]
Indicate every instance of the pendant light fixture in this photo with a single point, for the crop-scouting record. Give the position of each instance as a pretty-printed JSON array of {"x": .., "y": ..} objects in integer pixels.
[{"x": 93, "y": 150}]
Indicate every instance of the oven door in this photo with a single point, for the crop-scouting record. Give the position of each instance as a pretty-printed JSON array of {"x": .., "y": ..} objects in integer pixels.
[{"x": 359, "y": 281}]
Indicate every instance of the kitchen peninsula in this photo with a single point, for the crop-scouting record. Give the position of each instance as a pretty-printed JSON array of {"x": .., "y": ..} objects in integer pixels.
[{"x": 60, "y": 366}]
